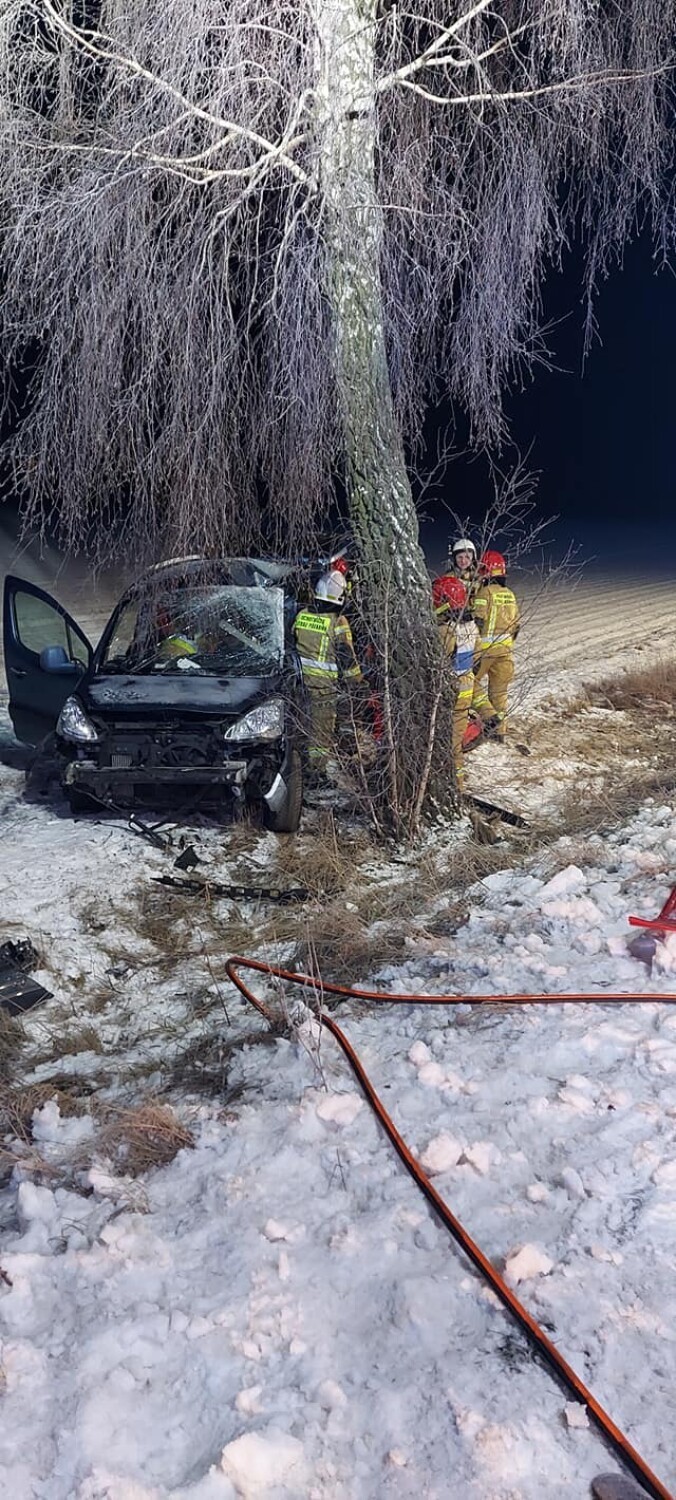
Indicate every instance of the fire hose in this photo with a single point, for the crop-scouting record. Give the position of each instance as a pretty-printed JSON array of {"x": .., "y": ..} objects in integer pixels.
[{"x": 536, "y": 1335}]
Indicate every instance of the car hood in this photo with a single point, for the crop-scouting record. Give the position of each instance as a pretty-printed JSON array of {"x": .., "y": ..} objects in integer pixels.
[{"x": 179, "y": 693}]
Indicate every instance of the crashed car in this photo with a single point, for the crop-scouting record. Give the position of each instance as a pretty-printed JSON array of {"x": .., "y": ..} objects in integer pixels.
[{"x": 192, "y": 692}]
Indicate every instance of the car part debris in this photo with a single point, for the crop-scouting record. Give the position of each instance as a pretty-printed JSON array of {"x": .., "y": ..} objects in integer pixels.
[
  {"x": 505, "y": 813},
  {"x": 187, "y": 859},
  {"x": 145, "y": 831},
  {"x": 235, "y": 892},
  {"x": 18, "y": 992}
]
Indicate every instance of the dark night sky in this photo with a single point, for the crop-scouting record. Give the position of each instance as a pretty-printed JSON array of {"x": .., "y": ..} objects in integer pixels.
[{"x": 602, "y": 438}]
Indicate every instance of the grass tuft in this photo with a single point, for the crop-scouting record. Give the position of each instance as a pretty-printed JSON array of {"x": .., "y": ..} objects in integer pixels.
[{"x": 142, "y": 1138}]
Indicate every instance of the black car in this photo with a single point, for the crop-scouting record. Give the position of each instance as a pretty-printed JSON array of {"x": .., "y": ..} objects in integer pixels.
[{"x": 194, "y": 688}]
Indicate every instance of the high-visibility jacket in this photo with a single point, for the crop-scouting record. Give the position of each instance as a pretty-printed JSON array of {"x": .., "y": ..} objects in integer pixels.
[
  {"x": 325, "y": 647},
  {"x": 497, "y": 615},
  {"x": 459, "y": 640}
]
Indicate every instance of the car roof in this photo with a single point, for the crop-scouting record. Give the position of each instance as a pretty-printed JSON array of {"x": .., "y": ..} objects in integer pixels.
[{"x": 242, "y": 570}]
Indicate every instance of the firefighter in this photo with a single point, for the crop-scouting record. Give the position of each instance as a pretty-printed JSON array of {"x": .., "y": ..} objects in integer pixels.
[
  {"x": 496, "y": 613},
  {"x": 327, "y": 657},
  {"x": 458, "y": 634},
  {"x": 462, "y": 558}
]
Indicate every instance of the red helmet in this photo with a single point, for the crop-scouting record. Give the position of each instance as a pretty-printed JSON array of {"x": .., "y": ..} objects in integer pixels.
[
  {"x": 340, "y": 565},
  {"x": 493, "y": 565},
  {"x": 448, "y": 593}
]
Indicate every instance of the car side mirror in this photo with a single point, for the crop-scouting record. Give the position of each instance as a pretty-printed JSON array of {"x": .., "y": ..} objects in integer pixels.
[{"x": 56, "y": 659}]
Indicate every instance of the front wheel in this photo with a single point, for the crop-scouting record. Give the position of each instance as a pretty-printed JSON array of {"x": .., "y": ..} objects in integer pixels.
[{"x": 286, "y": 817}]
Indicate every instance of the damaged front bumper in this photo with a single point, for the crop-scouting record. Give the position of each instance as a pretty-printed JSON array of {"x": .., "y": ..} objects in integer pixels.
[{"x": 254, "y": 776}]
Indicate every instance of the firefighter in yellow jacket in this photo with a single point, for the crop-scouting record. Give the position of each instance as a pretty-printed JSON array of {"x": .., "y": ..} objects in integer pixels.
[
  {"x": 458, "y": 635},
  {"x": 327, "y": 657},
  {"x": 497, "y": 616}
]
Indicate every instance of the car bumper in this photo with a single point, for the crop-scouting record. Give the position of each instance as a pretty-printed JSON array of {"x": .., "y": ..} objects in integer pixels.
[{"x": 116, "y": 783}]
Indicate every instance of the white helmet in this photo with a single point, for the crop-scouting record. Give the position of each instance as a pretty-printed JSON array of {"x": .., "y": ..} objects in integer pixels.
[
  {"x": 463, "y": 545},
  {"x": 331, "y": 587}
]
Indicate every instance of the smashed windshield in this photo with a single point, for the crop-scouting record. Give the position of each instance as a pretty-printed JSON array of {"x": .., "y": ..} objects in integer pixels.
[{"x": 219, "y": 629}]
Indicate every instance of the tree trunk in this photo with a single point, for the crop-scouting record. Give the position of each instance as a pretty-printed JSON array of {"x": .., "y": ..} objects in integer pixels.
[{"x": 382, "y": 512}]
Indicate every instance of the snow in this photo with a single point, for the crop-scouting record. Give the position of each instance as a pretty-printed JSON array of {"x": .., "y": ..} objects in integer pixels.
[
  {"x": 277, "y": 1313},
  {"x": 525, "y": 1263}
]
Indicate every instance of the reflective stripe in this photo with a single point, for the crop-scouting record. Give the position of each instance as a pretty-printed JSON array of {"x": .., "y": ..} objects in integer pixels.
[
  {"x": 495, "y": 640},
  {"x": 315, "y": 664},
  {"x": 464, "y": 695}
]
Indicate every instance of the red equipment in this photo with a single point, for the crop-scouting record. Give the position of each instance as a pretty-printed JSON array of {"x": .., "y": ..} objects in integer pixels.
[
  {"x": 448, "y": 593},
  {"x": 473, "y": 732},
  {"x": 493, "y": 565},
  {"x": 665, "y": 922}
]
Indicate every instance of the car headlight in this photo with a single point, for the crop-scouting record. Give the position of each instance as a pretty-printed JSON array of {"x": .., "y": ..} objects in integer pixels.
[
  {"x": 73, "y": 724},
  {"x": 263, "y": 723}
]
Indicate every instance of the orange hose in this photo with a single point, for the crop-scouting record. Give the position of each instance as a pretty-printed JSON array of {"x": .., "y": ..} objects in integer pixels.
[{"x": 621, "y": 1445}]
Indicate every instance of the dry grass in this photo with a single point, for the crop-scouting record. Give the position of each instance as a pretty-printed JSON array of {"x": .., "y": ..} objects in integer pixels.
[
  {"x": 326, "y": 863},
  {"x": 598, "y": 809},
  {"x": 143, "y": 1138},
  {"x": 69, "y": 1043},
  {"x": 205, "y": 1066},
  {"x": 12, "y": 1038},
  {"x": 343, "y": 949},
  {"x": 20, "y": 1104},
  {"x": 637, "y": 689}
]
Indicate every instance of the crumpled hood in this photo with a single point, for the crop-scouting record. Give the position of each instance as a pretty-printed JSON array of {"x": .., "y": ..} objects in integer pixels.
[{"x": 180, "y": 692}]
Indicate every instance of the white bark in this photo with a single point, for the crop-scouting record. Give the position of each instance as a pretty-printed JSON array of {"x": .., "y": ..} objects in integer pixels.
[{"x": 379, "y": 491}]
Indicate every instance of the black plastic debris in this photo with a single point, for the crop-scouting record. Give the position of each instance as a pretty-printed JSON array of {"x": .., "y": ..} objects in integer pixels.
[
  {"x": 504, "y": 813},
  {"x": 18, "y": 992},
  {"x": 188, "y": 859},
  {"x": 211, "y": 888}
]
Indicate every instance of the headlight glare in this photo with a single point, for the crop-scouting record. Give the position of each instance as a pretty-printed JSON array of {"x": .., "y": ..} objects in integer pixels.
[
  {"x": 266, "y": 722},
  {"x": 73, "y": 724}
]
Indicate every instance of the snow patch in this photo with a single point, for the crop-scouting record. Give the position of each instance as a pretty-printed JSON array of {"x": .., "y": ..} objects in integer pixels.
[
  {"x": 339, "y": 1109},
  {"x": 259, "y": 1462},
  {"x": 442, "y": 1153},
  {"x": 525, "y": 1263}
]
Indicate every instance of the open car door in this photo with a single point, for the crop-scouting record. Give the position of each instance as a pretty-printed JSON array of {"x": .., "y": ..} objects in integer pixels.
[{"x": 46, "y": 655}]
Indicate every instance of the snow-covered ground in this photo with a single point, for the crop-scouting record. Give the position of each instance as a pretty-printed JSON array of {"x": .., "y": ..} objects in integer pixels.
[{"x": 276, "y": 1313}]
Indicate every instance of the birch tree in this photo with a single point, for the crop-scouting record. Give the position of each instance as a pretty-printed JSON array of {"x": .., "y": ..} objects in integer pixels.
[{"x": 246, "y": 242}]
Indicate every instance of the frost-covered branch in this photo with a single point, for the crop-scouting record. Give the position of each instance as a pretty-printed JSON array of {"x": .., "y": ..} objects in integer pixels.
[{"x": 169, "y": 251}]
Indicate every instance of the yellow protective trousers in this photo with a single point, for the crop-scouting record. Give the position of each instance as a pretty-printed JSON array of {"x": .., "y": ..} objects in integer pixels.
[
  {"x": 322, "y": 701},
  {"x": 463, "y": 703},
  {"x": 492, "y": 678}
]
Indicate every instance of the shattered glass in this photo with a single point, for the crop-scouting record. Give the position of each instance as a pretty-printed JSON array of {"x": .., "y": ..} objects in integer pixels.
[{"x": 220, "y": 630}]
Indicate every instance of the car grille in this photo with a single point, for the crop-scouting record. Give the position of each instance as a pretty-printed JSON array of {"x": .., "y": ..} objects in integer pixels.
[{"x": 124, "y": 751}]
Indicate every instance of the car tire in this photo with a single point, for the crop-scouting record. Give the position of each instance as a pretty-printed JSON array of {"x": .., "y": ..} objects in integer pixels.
[{"x": 286, "y": 819}]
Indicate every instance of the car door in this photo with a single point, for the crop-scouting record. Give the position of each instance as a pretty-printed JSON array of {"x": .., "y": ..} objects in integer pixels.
[{"x": 39, "y": 679}]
